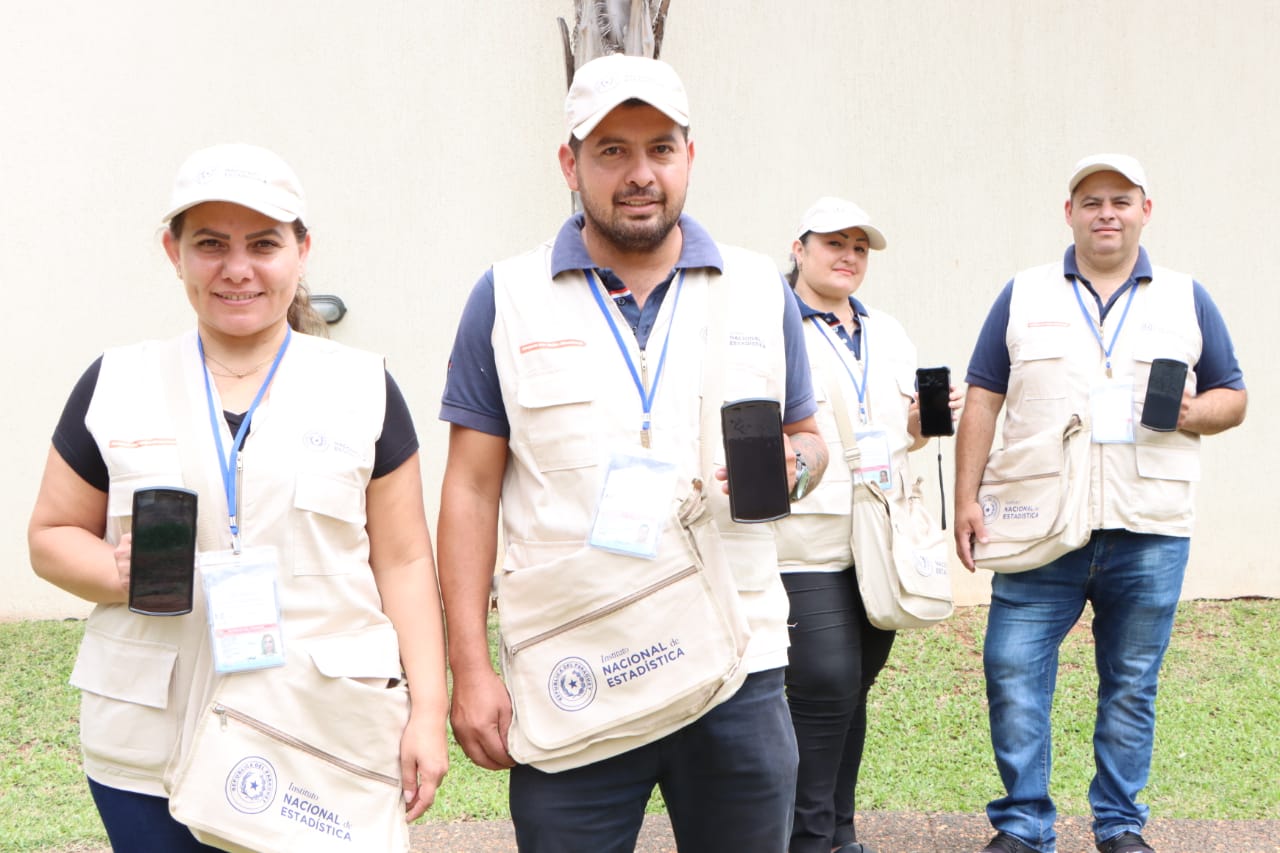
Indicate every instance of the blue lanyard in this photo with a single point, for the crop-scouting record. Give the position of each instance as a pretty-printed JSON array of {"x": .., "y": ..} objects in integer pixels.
[
  {"x": 866, "y": 360},
  {"x": 1097, "y": 329},
  {"x": 646, "y": 396},
  {"x": 227, "y": 466}
]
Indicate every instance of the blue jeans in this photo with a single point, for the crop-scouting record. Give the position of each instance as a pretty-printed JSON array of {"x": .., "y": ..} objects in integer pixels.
[
  {"x": 1133, "y": 582},
  {"x": 141, "y": 823},
  {"x": 728, "y": 780}
]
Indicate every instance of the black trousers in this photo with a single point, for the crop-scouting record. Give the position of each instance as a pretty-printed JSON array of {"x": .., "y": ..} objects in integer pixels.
[{"x": 835, "y": 657}]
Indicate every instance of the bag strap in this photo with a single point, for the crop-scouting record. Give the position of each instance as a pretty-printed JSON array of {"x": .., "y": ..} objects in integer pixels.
[
  {"x": 852, "y": 456},
  {"x": 713, "y": 361},
  {"x": 195, "y": 447}
]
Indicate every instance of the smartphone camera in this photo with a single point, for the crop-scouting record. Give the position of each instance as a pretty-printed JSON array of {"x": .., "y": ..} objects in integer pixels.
[{"x": 933, "y": 385}]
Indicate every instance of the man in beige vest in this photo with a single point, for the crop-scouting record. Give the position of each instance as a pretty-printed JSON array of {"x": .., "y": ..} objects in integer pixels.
[
  {"x": 578, "y": 367},
  {"x": 1078, "y": 338}
]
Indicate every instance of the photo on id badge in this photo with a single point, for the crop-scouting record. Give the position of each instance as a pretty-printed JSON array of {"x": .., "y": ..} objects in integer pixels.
[
  {"x": 876, "y": 462},
  {"x": 245, "y": 628}
]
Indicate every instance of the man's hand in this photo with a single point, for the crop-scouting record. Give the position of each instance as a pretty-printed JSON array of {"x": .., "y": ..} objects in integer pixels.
[
  {"x": 481, "y": 718},
  {"x": 968, "y": 529},
  {"x": 973, "y": 443}
]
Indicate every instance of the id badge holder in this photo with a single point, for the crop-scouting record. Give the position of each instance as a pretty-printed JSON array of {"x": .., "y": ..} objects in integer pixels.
[
  {"x": 1111, "y": 410},
  {"x": 877, "y": 462},
  {"x": 634, "y": 505},
  {"x": 245, "y": 627}
]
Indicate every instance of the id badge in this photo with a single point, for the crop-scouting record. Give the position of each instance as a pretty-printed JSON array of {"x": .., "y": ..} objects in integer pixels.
[
  {"x": 1111, "y": 408},
  {"x": 634, "y": 505},
  {"x": 876, "y": 465},
  {"x": 244, "y": 608}
]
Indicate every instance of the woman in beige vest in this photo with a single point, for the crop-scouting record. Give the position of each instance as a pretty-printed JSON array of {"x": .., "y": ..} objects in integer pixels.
[
  {"x": 835, "y": 652},
  {"x": 303, "y": 456}
]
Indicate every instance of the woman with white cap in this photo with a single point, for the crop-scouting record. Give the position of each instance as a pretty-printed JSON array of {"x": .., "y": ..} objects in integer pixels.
[
  {"x": 835, "y": 652},
  {"x": 305, "y": 463}
]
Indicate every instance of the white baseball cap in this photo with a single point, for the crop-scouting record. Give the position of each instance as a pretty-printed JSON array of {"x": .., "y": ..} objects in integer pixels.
[
  {"x": 830, "y": 214},
  {"x": 1122, "y": 163},
  {"x": 604, "y": 83},
  {"x": 241, "y": 174}
]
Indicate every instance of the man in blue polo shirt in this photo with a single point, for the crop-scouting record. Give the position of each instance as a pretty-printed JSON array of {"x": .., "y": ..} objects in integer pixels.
[
  {"x": 582, "y": 365},
  {"x": 1079, "y": 337}
]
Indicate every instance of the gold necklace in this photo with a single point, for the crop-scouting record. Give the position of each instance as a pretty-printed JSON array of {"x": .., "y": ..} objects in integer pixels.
[{"x": 232, "y": 373}]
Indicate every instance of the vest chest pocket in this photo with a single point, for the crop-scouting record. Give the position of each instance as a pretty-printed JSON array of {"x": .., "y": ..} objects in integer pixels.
[
  {"x": 328, "y": 524},
  {"x": 556, "y": 420},
  {"x": 1038, "y": 378}
]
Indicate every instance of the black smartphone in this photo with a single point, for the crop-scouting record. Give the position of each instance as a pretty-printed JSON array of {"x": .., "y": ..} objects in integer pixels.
[
  {"x": 163, "y": 555},
  {"x": 754, "y": 456},
  {"x": 933, "y": 386},
  {"x": 1163, "y": 402}
]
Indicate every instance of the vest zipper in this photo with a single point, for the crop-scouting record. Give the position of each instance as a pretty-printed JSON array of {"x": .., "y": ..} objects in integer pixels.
[
  {"x": 612, "y": 607},
  {"x": 1020, "y": 479},
  {"x": 275, "y": 734}
]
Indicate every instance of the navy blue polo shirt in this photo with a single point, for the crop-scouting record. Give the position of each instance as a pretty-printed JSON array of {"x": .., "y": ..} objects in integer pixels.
[
  {"x": 472, "y": 394},
  {"x": 1218, "y": 368},
  {"x": 854, "y": 341}
]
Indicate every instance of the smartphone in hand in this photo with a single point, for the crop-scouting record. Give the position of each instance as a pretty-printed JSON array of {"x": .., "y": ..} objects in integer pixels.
[
  {"x": 933, "y": 385},
  {"x": 754, "y": 456},
  {"x": 1163, "y": 403},
  {"x": 163, "y": 555}
]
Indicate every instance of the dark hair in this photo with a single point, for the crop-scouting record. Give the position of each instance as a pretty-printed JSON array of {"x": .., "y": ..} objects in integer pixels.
[
  {"x": 302, "y": 317},
  {"x": 794, "y": 273},
  {"x": 575, "y": 144}
]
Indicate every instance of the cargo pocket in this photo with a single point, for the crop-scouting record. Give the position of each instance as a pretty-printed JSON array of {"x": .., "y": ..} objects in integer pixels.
[
  {"x": 1040, "y": 366},
  {"x": 559, "y": 425},
  {"x": 122, "y": 487},
  {"x": 329, "y": 519},
  {"x": 125, "y": 719}
]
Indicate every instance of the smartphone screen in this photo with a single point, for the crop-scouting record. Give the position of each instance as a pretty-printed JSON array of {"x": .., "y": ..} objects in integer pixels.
[
  {"x": 933, "y": 385},
  {"x": 163, "y": 555},
  {"x": 1163, "y": 402},
  {"x": 755, "y": 459}
]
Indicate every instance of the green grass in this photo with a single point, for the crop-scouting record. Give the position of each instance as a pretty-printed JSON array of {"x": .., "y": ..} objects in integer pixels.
[
  {"x": 44, "y": 801},
  {"x": 1216, "y": 747}
]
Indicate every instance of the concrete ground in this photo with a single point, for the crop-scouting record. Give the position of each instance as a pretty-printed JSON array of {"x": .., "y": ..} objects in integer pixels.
[{"x": 897, "y": 832}]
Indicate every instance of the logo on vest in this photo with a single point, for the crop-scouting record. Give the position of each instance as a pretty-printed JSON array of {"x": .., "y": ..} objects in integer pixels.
[
  {"x": 990, "y": 509},
  {"x": 572, "y": 685},
  {"x": 251, "y": 785},
  {"x": 928, "y": 567},
  {"x": 625, "y": 665},
  {"x": 315, "y": 440}
]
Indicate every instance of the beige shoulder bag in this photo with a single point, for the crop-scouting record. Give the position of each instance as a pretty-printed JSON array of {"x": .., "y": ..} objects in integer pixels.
[
  {"x": 899, "y": 552},
  {"x": 1035, "y": 500}
]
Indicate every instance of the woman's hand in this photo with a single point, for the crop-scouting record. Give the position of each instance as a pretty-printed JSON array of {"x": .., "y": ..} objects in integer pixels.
[{"x": 424, "y": 759}]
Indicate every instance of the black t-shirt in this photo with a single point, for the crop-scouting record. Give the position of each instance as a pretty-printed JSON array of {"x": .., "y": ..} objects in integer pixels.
[{"x": 75, "y": 444}]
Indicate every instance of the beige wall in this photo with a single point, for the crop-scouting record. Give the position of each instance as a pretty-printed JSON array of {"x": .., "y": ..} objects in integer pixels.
[{"x": 426, "y": 132}]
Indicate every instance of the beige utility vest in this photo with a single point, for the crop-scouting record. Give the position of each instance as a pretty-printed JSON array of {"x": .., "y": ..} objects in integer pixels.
[
  {"x": 815, "y": 537},
  {"x": 1144, "y": 487},
  {"x": 307, "y": 463},
  {"x": 571, "y": 402}
]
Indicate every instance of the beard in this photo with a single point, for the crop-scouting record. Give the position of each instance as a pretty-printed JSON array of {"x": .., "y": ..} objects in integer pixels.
[{"x": 629, "y": 235}]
